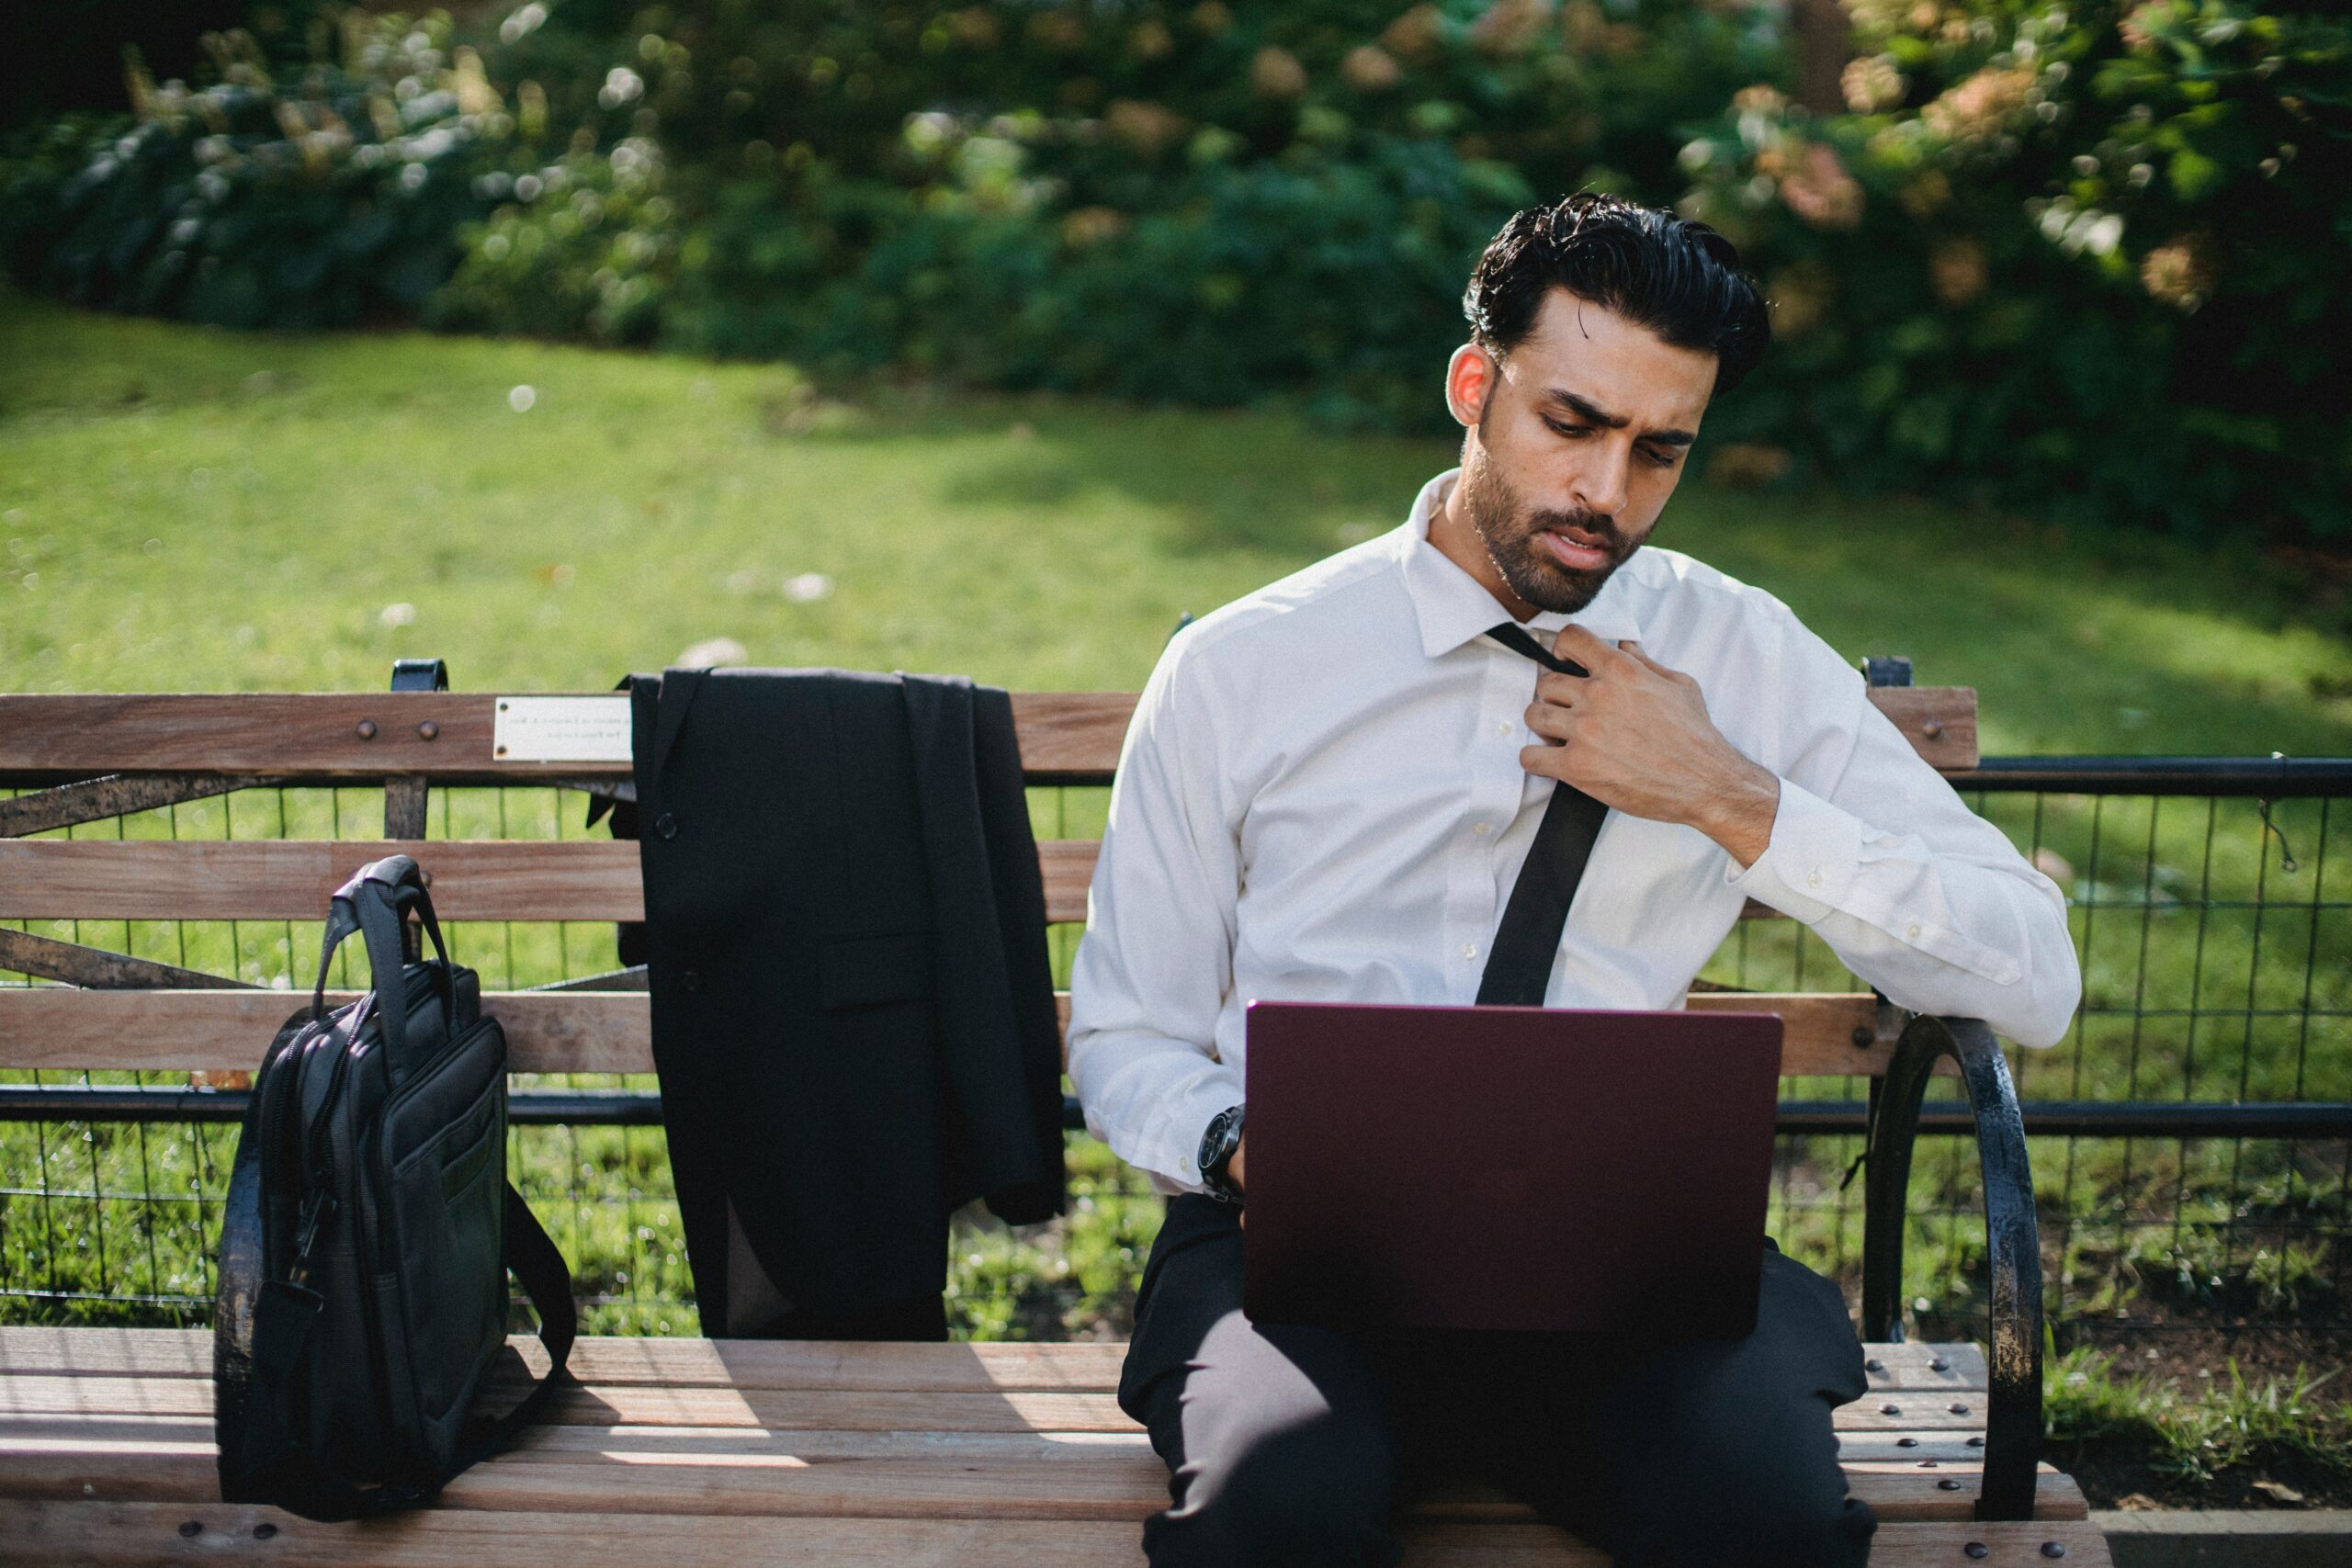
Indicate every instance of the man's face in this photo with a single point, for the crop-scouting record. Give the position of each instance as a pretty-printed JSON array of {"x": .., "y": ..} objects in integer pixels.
[{"x": 1575, "y": 444}]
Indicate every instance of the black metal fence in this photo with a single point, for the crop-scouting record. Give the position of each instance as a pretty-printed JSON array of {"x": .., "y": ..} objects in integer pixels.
[{"x": 2191, "y": 1141}]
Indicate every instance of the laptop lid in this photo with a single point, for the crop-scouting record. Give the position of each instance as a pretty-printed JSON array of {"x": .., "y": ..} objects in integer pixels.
[{"x": 1498, "y": 1167}]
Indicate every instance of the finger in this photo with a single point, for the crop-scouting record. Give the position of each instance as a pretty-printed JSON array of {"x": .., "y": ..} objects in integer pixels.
[
  {"x": 1245, "y": 1218},
  {"x": 1551, "y": 721},
  {"x": 1548, "y": 762},
  {"x": 1635, "y": 649},
  {"x": 1629, "y": 646},
  {"x": 1560, "y": 691},
  {"x": 1575, "y": 642}
]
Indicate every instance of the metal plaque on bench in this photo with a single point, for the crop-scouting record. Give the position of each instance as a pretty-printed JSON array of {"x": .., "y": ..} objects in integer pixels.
[{"x": 562, "y": 730}]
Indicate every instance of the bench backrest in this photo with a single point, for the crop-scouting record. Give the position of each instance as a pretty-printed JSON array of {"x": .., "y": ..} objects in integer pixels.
[{"x": 88, "y": 759}]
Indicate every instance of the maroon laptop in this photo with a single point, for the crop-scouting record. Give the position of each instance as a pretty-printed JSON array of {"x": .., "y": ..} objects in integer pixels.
[{"x": 1498, "y": 1167}]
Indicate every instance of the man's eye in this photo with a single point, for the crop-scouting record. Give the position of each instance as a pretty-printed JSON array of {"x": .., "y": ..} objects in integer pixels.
[
  {"x": 1662, "y": 458},
  {"x": 1569, "y": 429}
]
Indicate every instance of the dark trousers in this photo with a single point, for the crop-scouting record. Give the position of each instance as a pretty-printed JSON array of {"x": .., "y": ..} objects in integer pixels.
[{"x": 1295, "y": 1444}]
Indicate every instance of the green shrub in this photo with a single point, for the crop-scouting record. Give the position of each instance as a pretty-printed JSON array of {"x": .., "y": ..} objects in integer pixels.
[
  {"x": 1341, "y": 276},
  {"x": 2083, "y": 259},
  {"x": 316, "y": 200},
  {"x": 584, "y": 247}
]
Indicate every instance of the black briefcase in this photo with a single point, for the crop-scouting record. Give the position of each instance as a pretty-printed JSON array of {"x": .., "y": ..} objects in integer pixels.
[{"x": 369, "y": 1231}]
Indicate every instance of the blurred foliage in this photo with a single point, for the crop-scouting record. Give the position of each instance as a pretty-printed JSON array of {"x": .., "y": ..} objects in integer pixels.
[
  {"x": 309, "y": 198},
  {"x": 1334, "y": 276},
  {"x": 2087, "y": 257},
  {"x": 581, "y": 246},
  {"x": 2078, "y": 258}
]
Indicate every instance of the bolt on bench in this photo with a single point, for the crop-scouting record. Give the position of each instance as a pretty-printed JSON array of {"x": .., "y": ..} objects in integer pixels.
[{"x": 694, "y": 1452}]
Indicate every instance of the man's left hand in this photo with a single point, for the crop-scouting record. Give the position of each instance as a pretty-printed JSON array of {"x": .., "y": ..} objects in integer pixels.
[{"x": 1636, "y": 735}]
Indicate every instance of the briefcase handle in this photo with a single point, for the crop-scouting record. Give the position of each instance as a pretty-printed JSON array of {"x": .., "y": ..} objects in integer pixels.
[{"x": 373, "y": 904}]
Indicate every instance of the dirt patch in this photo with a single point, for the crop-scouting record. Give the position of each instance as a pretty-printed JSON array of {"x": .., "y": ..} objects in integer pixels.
[
  {"x": 2192, "y": 1358},
  {"x": 2115, "y": 1474},
  {"x": 2186, "y": 1353}
]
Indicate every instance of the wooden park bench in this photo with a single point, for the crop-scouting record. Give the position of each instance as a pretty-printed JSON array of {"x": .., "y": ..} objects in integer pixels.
[{"x": 727, "y": 1452}]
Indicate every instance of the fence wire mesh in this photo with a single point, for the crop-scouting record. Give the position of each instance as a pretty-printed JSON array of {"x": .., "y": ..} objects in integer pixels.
[{"x": 2215, "y": 935}]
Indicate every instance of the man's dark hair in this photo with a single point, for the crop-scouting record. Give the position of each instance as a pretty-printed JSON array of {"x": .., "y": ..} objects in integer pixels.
[{"x": 1673, "y": 275}]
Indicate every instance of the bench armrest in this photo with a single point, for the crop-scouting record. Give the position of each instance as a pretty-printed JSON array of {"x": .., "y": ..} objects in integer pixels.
[{"x": 2013, "y": 1242}]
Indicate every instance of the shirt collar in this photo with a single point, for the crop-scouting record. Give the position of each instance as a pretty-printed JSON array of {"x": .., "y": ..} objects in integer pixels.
[{"x": 1452, "y": 607}]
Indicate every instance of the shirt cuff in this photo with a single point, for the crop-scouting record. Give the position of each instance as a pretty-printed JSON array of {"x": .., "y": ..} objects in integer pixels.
[
  {"x": 1184, "y": 1125},
  {"x": 1810, "y": 861}
]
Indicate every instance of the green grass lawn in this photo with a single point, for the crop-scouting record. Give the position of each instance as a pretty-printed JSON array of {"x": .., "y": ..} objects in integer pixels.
[{"x": 184, "y": 509}]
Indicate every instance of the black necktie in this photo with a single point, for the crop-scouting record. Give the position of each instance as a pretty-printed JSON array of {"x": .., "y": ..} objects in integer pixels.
[{"x": 1519, "y": 965}]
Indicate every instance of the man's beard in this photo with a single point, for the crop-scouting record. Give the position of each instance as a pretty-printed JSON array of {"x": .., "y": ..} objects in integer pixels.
[{"x": 1527, "y": 565}]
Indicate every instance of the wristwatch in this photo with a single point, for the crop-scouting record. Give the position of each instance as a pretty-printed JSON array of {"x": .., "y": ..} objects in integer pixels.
[{"x": 1217, "y": 1143}]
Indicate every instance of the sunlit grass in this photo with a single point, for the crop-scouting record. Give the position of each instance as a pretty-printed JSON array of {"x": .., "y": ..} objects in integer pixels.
[{"x": 2232, "y": 1425}]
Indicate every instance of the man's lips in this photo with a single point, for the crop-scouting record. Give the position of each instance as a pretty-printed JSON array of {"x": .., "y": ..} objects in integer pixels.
[{"x": 1576, "y": 549}]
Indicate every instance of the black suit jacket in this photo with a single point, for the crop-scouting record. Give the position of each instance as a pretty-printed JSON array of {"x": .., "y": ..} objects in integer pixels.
[{"x": 853, "y": 1005}]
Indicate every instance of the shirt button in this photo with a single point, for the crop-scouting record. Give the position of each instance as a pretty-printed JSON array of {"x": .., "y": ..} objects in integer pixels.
[
  {"x": 666, "y": 825},
  {"x": 1911, "y": 931},
  {"x": 1482, "y": 829},
  {"x": 1502, "y": 727},
  {"x": 1469, "y": 950},
  {"x": 1813, "y": 879}
]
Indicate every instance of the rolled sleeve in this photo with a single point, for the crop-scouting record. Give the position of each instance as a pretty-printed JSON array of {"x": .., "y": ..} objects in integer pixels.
[
  {"x": 1810, "y": 860},
  {"x": 1823, "y": 859},
  {"x": 1936, "y": 908}
]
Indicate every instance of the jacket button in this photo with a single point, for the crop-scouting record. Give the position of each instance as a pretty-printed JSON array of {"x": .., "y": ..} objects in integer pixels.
[
  {"x": 666, "y": 825},
  {"x": 691, "y": 979}
]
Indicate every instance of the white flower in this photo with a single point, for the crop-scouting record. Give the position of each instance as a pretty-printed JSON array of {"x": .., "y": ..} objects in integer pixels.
[
  {"x": 521, "y": 398},
  {"x": 622, "y": 85},
  {"x": 524, "y": 21},
  {"x": 400, "y": 614},
  {"x": 807, "y": 588}
]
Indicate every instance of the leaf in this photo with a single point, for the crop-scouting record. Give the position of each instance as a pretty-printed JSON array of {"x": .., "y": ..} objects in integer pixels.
[{"x": 2193, "y": 175}]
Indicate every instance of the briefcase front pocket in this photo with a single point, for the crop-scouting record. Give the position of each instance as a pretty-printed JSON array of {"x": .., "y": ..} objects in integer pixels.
[{"x": 450, "y": 1195}]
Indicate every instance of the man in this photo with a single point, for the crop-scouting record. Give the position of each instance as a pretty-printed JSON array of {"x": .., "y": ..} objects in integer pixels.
[{"x": 1326, "y": 794}]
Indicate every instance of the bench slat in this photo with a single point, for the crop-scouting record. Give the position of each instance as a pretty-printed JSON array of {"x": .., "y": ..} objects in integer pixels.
[
  {"x": 816, "y": 1409},
  {"x": 616, "y": 1405},
  {"x": 472, "y": 879},
  {"x": 315, "y": 737},
  {"x": 1066, "y": 737},
  {"x": 1077, "y": 1366},
  {"x": 1004, "y": 1365},
  {"x": 169, "y": 1463},
  {"x": 563, "y": 1442},
  {"x": 292, "y": 879},
  {"x": 1889, "y": 1452},
  {"x": 61, "y": 1028},
  {"x": 107, "y": 1533}
]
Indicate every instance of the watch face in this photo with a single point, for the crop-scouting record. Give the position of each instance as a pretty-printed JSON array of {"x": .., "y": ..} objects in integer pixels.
[{"x": 1213, "y": 1141}]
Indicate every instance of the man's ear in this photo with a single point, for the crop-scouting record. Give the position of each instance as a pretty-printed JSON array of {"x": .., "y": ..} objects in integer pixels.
[{"x": 1470, "y": 379}]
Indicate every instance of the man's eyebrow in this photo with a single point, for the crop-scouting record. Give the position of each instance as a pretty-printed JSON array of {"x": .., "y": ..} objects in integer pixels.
[{"x": 1584, "y": 408}]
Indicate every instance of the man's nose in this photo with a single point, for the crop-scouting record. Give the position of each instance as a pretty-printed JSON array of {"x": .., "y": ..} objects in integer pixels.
[{"x": 1601, "y": 482}]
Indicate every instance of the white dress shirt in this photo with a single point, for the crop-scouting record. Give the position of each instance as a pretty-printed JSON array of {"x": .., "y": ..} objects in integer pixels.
[{"x": 1320, "y": 799}]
